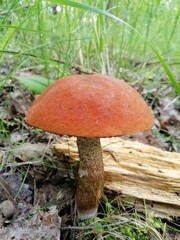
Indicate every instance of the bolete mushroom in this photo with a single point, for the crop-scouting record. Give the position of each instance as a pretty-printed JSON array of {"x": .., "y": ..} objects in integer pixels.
[{"x": 90, "y": 107}]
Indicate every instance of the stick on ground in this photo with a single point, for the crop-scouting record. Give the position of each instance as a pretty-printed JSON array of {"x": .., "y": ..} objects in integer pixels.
[{"x": 140, "y": 174}]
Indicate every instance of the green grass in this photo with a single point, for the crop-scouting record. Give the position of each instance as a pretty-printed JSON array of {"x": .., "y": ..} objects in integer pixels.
[
  {"x": 125, "y": 226},
  {"x": 99, "y": 36},
  {"x": 117, "y": 222}
]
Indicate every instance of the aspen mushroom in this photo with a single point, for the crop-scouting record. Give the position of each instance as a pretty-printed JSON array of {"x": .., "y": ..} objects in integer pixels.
[{"x": 90, "y": 107}]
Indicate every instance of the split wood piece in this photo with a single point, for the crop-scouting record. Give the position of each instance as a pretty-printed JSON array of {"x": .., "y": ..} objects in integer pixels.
[{"x": 138, "y": 173}]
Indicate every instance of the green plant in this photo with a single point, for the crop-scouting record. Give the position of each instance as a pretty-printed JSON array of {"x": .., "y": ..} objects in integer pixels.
[
  {"x": 35, "y": 84},
  {"x": 100, "y": 36},
  {"x": 106, "y": 13}
]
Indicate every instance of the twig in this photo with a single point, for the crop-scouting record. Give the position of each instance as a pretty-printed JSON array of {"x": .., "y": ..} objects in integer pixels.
[
  {"x": 35, "y": 192},
  {"x": 171, "y": 102},
  {"x": 76, "y": 68},
  {"x": 7, "y": 189},
  {"x": 37, "y": 163},
  {"x": 96, "y": 227}
]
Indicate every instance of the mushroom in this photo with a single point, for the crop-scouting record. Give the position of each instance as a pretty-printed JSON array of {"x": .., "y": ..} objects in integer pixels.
[{"x": 90, "y": 107}]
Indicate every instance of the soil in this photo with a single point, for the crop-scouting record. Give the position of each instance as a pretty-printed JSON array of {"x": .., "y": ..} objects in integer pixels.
[{"x": 36, "y": 186}]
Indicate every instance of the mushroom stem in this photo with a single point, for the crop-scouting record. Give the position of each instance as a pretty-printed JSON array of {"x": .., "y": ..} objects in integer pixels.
[{"x": 90, "y": 177}]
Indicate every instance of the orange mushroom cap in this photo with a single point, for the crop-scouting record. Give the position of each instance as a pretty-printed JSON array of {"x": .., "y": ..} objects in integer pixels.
[{"x": 90, "y": 106}]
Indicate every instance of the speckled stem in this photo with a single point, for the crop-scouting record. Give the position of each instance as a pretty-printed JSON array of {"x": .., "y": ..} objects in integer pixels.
[{"x": 90, "y": 177}]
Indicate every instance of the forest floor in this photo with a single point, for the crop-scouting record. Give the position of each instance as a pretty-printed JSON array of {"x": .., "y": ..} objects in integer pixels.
[{"x": 37, "y": 188}]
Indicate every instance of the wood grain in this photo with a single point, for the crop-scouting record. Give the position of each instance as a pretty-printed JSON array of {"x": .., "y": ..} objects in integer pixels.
[{"x": 142, "y": 175}]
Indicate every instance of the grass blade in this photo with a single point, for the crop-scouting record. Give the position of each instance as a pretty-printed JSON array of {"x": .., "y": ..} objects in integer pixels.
[{"x": 87, "y": 7}]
